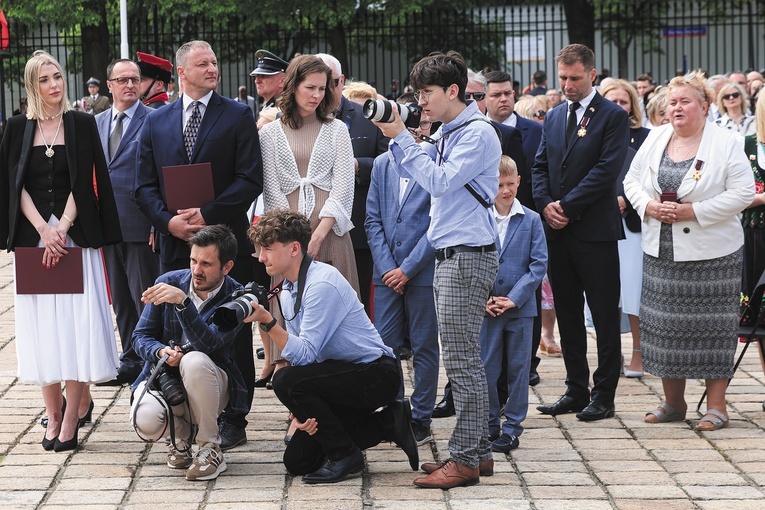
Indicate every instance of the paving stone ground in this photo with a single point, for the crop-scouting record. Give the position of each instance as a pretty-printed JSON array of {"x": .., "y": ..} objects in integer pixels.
[{"x": 562, "y": 463}]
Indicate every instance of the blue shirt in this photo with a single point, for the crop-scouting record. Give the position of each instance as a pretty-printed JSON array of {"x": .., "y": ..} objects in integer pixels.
[
  {"x": 331, "y": 323},
  {"x": 470, "y": 155}
]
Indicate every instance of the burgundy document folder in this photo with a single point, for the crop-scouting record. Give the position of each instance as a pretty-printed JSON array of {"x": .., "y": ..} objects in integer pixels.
[
  {"x": 188, "y": 186},
  {"x": 63, "y": 278}
]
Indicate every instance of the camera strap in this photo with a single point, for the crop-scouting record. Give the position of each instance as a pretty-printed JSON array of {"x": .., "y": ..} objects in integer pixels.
[
  {"x": 302, "y": 275},
  {"x": 486, "y": 203}
]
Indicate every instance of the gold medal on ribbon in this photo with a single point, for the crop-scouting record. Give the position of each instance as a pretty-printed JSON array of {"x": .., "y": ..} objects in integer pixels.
[{"x": 582, "y": 131}]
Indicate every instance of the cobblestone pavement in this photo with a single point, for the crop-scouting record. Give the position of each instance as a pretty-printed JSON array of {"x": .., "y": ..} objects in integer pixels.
[{"x": 562, "y": 463}]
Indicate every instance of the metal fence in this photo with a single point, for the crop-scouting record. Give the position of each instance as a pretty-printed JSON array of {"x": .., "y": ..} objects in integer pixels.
[{"x": 656, "y": 36}]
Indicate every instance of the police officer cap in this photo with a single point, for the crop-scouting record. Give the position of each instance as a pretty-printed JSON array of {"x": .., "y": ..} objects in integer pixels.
[
  {"x": 154, "y": 67},
  {"x": 269, "y": 64}
]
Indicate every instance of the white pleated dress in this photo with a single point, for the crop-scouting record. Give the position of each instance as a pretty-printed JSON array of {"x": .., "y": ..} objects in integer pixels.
[{"x": 62, "y": 337}]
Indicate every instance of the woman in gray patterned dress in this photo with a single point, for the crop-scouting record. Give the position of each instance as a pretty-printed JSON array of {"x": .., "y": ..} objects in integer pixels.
[{"x": 689, "y": 181}]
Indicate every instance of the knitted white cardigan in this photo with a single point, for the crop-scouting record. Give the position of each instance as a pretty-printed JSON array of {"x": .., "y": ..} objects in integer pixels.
[{"x": 330, "y": 168}]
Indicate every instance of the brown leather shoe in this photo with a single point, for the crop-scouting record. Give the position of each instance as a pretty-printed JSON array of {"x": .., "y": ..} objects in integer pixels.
[
  {"x": 485, "y": 467},
  {"x": 450, "y": 475}
]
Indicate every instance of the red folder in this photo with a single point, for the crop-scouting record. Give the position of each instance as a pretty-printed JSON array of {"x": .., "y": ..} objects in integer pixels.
[
  {"x": 34, "y": 278},
  {"x": 188, "y": 186}
]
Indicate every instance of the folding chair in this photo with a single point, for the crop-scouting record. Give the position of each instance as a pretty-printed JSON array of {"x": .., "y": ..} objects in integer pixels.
[{"x": 754, "y": 332}]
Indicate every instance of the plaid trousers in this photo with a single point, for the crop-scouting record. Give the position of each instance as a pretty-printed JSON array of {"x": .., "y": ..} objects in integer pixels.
[{"x": 461, "y": 287}]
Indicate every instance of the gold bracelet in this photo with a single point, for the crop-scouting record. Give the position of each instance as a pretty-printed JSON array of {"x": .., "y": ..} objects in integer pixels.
[{"x": 67, "y": 218}]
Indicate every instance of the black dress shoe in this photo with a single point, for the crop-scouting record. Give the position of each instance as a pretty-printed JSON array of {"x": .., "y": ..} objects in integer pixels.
[
  {"x": 337, "y": 470},
  {"x": 444, "y": 409},
  {"x": 260, "y": 353},
  {"x": 261, "y": 382},
  {"x": 48, "y": 444},
  {"x": 62, "y": 446},
  {"x": 533, "y": 377},
  {"x": 88, "y": 416},
  {"x": 564, "y": 405},
  {"x": 230, "y": 435},
  {"x": 402, "y": 432},
  {"x": 597, "y": 410}
]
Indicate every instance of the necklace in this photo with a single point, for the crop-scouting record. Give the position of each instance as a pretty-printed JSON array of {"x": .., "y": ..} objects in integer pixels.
[
  {"x": 49, "y": 148},
  {"x": 52, "y": 116},
  {"x": 690, "y": 145}
]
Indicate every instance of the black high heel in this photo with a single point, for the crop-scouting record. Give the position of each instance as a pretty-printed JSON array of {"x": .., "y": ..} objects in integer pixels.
[
  {"x": 88, "y": 416},
  {"x": 62, "y": 446},
  {"x": 48, "y": 444}
]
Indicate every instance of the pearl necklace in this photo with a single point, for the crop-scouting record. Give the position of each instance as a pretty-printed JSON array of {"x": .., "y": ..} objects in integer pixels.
[{"x": 49, "y": 148}]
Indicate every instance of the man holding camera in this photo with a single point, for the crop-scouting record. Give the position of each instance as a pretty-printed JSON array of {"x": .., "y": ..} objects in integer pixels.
[
  {"x": 461, "y": 173},
  {"x": 176, "y": 325},
  {"x": 341, "y": 371}
]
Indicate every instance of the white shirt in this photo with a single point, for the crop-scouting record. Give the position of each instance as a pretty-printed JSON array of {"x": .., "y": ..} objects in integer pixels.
[
  {"x": 583, "y": 104},
  {"x": 198, "y": 301},
  {"x": 187, "y": 108},
  {"x": 502, "y": 221},
  {"x": 125, "y": 120}
]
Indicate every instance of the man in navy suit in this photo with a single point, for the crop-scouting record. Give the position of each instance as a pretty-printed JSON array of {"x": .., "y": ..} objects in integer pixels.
[
  {"x": 132, "y": 264},
  {"x": 584, "y": 143},
  {"x": 227, "y": 138},
  {"x": 398, "y": 217},
  {"x": 368, "y": 143}
]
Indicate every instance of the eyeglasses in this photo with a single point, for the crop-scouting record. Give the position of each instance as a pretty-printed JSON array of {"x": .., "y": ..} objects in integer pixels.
[
  {"x": 122, "y": 81},
  {"x": 478, "y": 96},
  {"x": 540, "y": 114},
  {"x": 336, "y": 81},
  {"x": 734, "y": 95},
  {"x": 426, "y": 94},
  {"x": 425, "y": 124}
]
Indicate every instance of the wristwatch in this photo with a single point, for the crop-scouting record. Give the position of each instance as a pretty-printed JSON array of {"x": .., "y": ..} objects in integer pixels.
[
  {"x": 267, "y": 327},
  {"x": 186, "y": 302}
]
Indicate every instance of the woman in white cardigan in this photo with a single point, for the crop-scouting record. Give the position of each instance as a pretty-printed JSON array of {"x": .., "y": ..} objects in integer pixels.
[
  {"x": 308, "y": 167},
  {"x": 688, "y": 182}
]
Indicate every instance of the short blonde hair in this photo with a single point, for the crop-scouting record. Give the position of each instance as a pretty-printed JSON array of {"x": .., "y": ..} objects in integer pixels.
[
  {"x": 727, "y": 89},
  {"x": 507, "y": 167},
  {"x": 658, "y": 104},
  {"x": 636, "y": 116},
  {"x": 359, "y": 90},
  {"x": 697, "y": 83},
  {"x": 35, "y": 103}
]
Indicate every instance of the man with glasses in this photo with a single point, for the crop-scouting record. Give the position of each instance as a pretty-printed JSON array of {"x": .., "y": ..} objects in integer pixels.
[
  {"x": 368, "y": 143},
  {"x": 155, "y": 75},
  {"x": 132, "y": 265},
  {"x": 461, "y": 173},
  {"x": 511, "y": 146}
]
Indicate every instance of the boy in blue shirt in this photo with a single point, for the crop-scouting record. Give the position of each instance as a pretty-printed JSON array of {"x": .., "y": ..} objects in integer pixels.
[{"x": 507, "y": 328}]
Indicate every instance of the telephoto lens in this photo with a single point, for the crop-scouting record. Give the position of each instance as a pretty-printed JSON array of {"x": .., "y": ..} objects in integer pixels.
[{"x": 380, "y": 110}]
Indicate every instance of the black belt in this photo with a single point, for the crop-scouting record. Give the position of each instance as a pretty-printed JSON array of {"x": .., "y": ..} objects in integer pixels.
[
  {"x": 447, "y": 253},
  {"x": 385, "y": 360}
]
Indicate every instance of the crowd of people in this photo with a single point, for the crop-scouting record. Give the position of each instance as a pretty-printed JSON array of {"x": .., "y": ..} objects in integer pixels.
[{"x": 462, "y": 232}]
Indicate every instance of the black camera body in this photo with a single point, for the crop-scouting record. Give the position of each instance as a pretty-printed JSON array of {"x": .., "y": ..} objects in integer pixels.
[
  {"x": 231, "y": 314},
  {"x": 381, "y": 110},
  {"x": 168, "y": 379}
]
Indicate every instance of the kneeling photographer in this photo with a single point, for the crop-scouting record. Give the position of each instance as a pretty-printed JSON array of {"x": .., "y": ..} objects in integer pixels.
[
  {"x": 341, "y": 371},
  {"x": 188, "y": 361}
]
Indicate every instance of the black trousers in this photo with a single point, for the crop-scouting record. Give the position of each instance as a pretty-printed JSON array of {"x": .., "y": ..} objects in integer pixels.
[
  {"x": 342, "y": 397},
  {"x": 578, "y": 268},
  {"x": 244, "y": 357}
]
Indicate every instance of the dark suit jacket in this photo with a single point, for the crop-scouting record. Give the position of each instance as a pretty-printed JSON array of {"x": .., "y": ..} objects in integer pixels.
[
  {"x": 368, "y": 143},
  {"x": 637, "y": 137},
  {"x": 583, "y": 174},
  {"x": 97, "y": 223},
  {"x": 631, "y": 217},
  {"x": 512, "y": 145},
  {"x": 228, "y": 139},
  {"x": 122, "y": 171},
  {"x": 531, "y": 132}
]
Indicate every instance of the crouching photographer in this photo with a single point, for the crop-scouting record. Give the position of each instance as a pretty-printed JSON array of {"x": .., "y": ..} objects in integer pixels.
[
  {"x": 189, "y": 375},
  {"x": 341, "y": 371}
]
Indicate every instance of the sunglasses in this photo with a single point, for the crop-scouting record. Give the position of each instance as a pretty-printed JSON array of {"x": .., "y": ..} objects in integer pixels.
[
  {"x": 734, "y": 95},
  {"x": 478, "y": 96},
  {"x": 336, "y": 81},
  {"x": 540, "y": 114}
]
